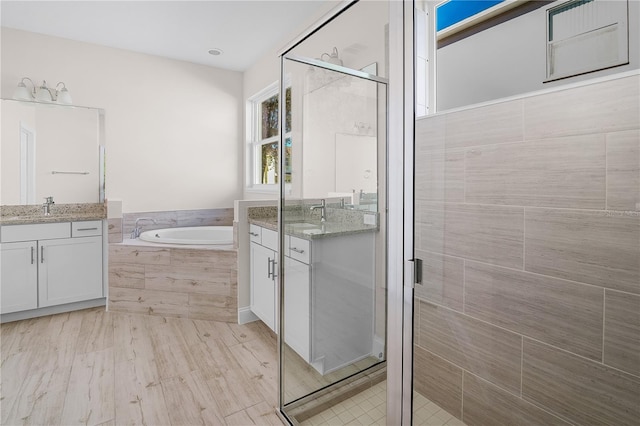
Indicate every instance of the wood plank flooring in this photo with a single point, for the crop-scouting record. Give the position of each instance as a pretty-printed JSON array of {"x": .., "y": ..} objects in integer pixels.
[{"x": 94, "y": 367}]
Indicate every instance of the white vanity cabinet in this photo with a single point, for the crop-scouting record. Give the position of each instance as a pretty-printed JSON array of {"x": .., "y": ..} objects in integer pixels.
[
  {"x": 264, "y": 271},
  {"x": 50, "y": 264},
  {"x": 19, "y": 280},
  {"x": 297, "y": 297}
]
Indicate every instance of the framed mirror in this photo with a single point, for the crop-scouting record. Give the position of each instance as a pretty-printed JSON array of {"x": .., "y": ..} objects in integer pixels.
[{"x": 51, "y": 151}]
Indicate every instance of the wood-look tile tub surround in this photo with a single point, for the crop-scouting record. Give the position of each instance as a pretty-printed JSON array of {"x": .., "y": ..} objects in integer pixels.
[
  {"x": 528, "y": 222},
  {"x": 197, "y": 283}
]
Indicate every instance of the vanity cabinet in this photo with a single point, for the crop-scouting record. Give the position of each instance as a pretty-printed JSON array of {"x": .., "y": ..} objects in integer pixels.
[
  {"x": 264, "y": 271},
  {"x": 50, "y": 264},
  {"x": 19, "y": 290},
  {"x": 328, "y": 294}
]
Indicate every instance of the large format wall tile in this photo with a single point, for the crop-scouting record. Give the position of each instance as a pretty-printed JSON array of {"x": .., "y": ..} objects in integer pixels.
[
  {"x": 439, "y": 176},
  {"x": 622, "y": 331},
  {"x": 442, "y": 280},
  {"x": 492, "y": 234},
  {"x": 487, "y": 405},
  {"x": 205, "y": 217},
  {"x": 583, "y": 391},
  {"x": 438, "y": 381},
  {"x": 490, "y": 352},
  {"x": 592, "y": 247},
  {"x": 567, "y": 172},
  {"x": 555, "y": 311},
  {"x": 430, "y": 134},
  {"x": 497, "y": 123},
  {"x": 623, "y": 170},
  {"x": 596, "y": 108},
  {"x": 163, "y": 220}
]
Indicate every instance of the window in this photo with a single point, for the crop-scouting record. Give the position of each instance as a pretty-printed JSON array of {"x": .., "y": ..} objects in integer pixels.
[
  {"x": 264, "y": 143},
  {"x": 585, "y": 36}
]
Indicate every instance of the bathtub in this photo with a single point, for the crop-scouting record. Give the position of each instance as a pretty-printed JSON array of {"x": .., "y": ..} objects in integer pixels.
[{"x": 195, "y": 235}]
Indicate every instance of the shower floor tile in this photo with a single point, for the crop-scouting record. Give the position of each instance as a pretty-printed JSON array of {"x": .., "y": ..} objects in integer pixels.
[{"x": 369, "y": 408}]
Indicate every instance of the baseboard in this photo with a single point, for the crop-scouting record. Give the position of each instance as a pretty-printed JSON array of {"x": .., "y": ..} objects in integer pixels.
[
  {"x": 245, "y": 315},
  {"x": 52, "y": 310}
]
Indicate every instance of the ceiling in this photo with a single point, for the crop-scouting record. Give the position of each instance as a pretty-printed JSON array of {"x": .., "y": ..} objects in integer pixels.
[{"x": 184, "y": 30}]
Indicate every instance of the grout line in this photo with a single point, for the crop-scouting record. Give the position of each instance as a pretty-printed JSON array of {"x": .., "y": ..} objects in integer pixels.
[
  {"x": 464, "y": 285},
  {"x": 524, "y": 238},
  {"x": 606, "y": 171},
  {"x": 528, "y": 272},
  {"x": 521, "y": 366},
  {"x": 604, "y": 306}
]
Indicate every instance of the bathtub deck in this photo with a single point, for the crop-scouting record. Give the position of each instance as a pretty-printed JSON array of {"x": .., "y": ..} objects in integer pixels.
[{"x": 182, "y": 281}]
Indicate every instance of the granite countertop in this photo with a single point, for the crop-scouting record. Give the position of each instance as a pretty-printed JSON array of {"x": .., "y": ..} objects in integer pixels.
[
  {"x": 30, "y": 214},
  {"x": 330, "y": 229}
]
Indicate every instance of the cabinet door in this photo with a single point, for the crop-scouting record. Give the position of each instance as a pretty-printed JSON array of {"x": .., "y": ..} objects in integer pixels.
[
  {"x": 296, "y": 307},
  {"x": 70, "y": 270},
  {"x": 19, "y": 278},
  {"x": 262, "y": 284}
]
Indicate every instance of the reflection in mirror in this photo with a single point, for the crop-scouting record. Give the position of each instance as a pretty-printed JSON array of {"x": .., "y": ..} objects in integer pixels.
[
  {"x": 51, "y": 151},
  {"x": 334, "y": 276}
]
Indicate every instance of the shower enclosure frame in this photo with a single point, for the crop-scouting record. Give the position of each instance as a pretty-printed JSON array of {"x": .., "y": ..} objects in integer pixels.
[{"x": 399, "y": 205}]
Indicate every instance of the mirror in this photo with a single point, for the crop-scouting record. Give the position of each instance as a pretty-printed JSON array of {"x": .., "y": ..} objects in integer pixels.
[{"x": 51, "y": 150}]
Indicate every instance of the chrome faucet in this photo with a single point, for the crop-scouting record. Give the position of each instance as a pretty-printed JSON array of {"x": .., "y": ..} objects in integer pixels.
[
  {"x": 138, "y": 230},
  {"x": 323, "y": 209},
  {"x": 46, "y": 207}
]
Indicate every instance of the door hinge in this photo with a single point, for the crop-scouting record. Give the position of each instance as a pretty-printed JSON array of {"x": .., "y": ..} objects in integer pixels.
[{"x": 413, "y": 271}]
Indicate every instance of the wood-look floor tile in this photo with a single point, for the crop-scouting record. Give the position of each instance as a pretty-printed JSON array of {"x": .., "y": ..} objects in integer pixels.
[
  {"x": 189, "y": 400},
  {"x": 264, "y": 414},
  {"x": 219, "y": 259},
  {"x": 239, "y": 418},
  {"x": 96, "y": 331},
  {"x": 89, "y": 396},
  {"x": 151, "y": 302}
]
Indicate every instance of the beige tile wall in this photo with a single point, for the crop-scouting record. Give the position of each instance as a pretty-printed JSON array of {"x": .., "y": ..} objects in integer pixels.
[
  {"x": 199, "y": 284},
  {"x": 528, "y": 223}
]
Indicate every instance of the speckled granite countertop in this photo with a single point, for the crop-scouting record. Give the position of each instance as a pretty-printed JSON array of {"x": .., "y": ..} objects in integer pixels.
[
  {"x": 330, "y": 229},
  {"x": 28, "y": 214}
]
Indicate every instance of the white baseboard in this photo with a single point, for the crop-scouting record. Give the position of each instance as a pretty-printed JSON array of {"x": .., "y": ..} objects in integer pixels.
[{"x": 245, "y": 315}]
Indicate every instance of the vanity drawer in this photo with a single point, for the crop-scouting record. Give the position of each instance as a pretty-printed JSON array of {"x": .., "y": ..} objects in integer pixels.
[
  {"x": 87, "y": 228},
  {"x": 270, "y": 239},
  {"x": 299, "y": 249},
  {"x": 35, "y": 231},
  {"x": 255, "y": 233}
]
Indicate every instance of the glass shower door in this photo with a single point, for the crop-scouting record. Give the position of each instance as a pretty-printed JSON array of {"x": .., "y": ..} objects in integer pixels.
[{"x": 332, "y": 284}]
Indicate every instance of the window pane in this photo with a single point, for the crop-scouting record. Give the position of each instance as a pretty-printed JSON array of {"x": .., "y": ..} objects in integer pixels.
[
  {"x": 269, "y": 166},
  {"x": 287, "y": 160},
  {"x": 269, "y": 117}
]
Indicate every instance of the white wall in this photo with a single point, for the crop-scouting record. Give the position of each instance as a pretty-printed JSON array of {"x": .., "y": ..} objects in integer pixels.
[
  {"x": 510, "y": 59},
  {"x": 173, "y": 128}
]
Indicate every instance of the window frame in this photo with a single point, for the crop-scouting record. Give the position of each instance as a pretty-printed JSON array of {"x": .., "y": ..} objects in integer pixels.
[{"x": 254, "y": 143}]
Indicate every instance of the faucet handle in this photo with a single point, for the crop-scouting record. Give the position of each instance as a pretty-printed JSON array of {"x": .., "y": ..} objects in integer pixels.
[{"x": 49, "y": 200}]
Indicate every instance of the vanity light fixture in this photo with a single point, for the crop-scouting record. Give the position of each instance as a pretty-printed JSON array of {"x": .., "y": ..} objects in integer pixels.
[{"x": 42, "y": 93}]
